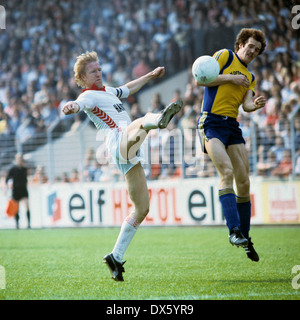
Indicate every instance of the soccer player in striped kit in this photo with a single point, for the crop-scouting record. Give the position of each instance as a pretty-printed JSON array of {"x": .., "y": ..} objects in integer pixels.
[
  {"x": 123, "y": 139},
  {"x": 221, "y": 137}
]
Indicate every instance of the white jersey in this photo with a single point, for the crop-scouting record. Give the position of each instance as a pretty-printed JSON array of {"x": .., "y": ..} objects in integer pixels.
[{"x": 105, "y": 108}]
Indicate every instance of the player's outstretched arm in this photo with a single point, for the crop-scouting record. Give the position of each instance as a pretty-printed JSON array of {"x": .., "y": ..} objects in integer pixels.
[
  {"x": 250, "y": 105},
  {"x": 70, "y": 107},
  {"x": 135, "y": 85},
  {"x": 239, "y": 80}
]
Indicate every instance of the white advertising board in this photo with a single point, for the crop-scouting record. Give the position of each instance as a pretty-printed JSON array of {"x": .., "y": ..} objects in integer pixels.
[{"x": 172, "y": 203}]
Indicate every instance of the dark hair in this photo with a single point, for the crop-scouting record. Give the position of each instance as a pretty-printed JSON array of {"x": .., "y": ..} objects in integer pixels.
[{"x": 247, "y": 33}]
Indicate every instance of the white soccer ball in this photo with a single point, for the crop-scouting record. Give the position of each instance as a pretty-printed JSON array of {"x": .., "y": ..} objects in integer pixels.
[{"x": 205, "y": 69}]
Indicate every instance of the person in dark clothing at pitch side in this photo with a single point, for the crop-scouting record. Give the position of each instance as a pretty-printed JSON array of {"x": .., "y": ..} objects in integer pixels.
[{"x": 18, "y": 175}]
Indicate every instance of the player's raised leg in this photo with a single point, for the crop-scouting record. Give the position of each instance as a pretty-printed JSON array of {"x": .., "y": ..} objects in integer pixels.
[
  {"x": 137, "y": 131},
  {"x": 161, "y": 120}
]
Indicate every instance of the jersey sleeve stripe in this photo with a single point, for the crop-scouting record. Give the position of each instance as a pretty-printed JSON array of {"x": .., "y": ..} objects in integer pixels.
[
  {"x": 121, "y": 92},
  {"x": 217, "y": 54},
  {"x": 229, "y": 61}
]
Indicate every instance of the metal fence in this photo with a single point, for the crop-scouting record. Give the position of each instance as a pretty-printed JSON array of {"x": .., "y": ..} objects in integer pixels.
[{"x": 78, "y": 153}]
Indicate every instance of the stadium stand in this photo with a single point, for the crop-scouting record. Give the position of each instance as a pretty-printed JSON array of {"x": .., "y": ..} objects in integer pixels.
[{"x": 43, "y": 38}]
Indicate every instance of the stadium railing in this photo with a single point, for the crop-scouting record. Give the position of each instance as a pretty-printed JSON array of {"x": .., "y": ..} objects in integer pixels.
[{"x": 173, "y": 154}]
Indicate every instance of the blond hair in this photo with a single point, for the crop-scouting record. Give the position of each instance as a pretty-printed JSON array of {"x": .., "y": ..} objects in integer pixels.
[{"x": 81, "y": 62}]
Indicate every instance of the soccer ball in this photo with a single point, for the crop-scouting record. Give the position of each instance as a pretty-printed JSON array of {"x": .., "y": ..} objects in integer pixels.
[{"x": 205, "y": 69}]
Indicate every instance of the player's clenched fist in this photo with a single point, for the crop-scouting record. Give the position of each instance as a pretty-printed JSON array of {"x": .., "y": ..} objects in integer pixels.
[
  {"x": 70, "y": 107},
  {"x": 158, "y": 72}
]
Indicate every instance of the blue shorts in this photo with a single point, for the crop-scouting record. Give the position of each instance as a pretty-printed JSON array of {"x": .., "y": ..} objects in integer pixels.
[{"x": 224, "y": 128}]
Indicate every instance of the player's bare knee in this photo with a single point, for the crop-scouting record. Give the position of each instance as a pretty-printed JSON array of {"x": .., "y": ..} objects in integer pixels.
[
  {"x": 243, "y": 185},
  {"x": 227, "y": 174}
]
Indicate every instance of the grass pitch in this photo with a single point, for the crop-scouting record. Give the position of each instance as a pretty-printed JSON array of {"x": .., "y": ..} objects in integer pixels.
[{"x": 184, "y": 263}]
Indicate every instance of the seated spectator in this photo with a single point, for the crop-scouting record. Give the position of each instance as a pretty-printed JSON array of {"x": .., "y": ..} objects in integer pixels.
[
  {"x": 32, "y": 125},
  {"x": 98, "y": 172},
  {"x": 278, "y": 148},
  {"x": 162, "y": 36},
  {"x": 156, "y": 103},
  {"x": 65, "y": 177},
  {"x": 265, "y": 168},
  {"x": 286, "y": 134},
  {"x": 4, "y": 120},
  {"x": 119, "y": 77},
  {"x": 297, "y": 131},
  {"x": 39, "y": 176},
  {"x": 267, "y": 140},
  {"x": 183, "y": 41},
  {"x": 141, "y": 68},
  {"x": 74, "y": 177},
  {"x": 283, "y": 115},
  {"x": 285, "y": 167},
  {"x": 135, "y": 112}
]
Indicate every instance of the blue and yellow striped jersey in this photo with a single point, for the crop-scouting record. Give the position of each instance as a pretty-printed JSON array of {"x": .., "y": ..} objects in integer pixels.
[{"x": 226, "y": 99}]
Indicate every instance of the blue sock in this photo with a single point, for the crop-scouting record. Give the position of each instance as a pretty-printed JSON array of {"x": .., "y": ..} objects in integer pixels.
[
  {"x": 244, "y": 209},
  {"x": 228, "y": 202}
]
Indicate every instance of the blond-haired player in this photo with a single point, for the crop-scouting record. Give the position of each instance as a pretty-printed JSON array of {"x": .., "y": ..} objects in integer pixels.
[{"x": 123, "y": 139}]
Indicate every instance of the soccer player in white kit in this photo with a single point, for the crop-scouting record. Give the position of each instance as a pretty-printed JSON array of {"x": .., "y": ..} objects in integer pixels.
[{"x": 123, "y": 139}]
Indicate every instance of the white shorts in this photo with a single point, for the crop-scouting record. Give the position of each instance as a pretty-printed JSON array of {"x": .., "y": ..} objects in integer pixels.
[{"x": 113, "y": 141}]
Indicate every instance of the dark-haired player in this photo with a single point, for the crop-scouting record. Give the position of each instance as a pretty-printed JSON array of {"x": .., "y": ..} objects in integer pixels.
[{"x": 220, "y": 134}]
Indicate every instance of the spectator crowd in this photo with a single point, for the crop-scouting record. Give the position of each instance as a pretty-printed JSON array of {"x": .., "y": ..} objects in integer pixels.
[{"x": 42, "y": 39}]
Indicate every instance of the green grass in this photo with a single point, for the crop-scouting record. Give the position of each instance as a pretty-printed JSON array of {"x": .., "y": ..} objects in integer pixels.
[{"x": 189, "y": 263}]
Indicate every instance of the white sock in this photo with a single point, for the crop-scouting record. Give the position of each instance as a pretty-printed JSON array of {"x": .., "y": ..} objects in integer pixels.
[
  {"x": 151, "y": 121},
  {"x": 127, "y": 232}
]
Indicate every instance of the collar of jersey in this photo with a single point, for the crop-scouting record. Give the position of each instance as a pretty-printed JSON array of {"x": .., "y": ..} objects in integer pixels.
[
  {"x": 243, "y": 63},
  {"x": 94, "y": 87}
]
